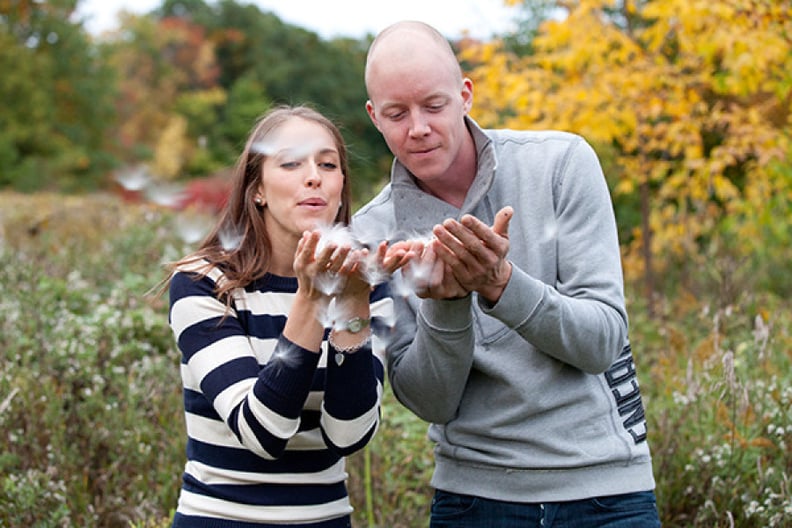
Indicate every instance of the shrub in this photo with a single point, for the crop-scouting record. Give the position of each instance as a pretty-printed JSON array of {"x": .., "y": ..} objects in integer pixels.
[
  {"x": 91, "y": 411},
  {"x": 719, "y": 393},
  {"x": 91, "y": 400}
]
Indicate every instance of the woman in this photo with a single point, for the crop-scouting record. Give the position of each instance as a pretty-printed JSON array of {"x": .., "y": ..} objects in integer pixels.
[{"x": 268, "y": 417}]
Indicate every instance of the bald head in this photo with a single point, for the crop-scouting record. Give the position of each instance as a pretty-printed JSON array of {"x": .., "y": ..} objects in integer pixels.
[
  {"x": 419, "y": 101},
  {"x": 410, "y": 39}
]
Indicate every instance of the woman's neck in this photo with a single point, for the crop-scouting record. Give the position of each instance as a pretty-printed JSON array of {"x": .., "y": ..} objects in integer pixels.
[{"x": 282, "y": 257}]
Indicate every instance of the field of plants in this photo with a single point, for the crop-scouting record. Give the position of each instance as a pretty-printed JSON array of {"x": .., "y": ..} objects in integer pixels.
[{"x": 90, "y": 400}]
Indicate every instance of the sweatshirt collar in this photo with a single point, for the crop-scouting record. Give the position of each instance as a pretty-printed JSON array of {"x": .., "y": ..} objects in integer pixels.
[{"x": 418, "y": 211}]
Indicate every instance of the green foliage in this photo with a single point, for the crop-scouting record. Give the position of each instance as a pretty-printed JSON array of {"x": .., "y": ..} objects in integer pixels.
[
  {"x": 400, "y": 459},
  {"x": 33, "y": 498},
  {"x": 57, "y": 97},
  {"x": 90, "y": 390},
  {"x": 265, "y": 61},
  {"x": 244, "y": 107},
  {"x": 91, "y": 411},
  {"x": 79, "y": 108},
  {"x": 718, "y": 385}
]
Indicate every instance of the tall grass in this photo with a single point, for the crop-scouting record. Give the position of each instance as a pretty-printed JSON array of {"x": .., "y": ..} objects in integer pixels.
[
  {"x": 718, "y": 384},
  {"x": 90, "y": 400}
]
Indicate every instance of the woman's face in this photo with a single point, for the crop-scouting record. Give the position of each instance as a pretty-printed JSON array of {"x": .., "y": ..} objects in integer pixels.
[{"x": 301, "y": 180}]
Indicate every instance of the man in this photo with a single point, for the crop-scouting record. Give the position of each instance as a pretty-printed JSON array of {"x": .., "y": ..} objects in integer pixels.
[{"x": 516, "y": 350}]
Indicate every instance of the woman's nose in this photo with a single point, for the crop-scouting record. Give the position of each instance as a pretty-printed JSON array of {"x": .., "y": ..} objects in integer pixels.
[{"x": 313, "y": 178}]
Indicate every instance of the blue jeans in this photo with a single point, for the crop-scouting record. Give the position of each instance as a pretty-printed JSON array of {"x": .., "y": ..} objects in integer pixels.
[
  {"x": 632, "y": 510},
  {"x": 180, "y": 520}
]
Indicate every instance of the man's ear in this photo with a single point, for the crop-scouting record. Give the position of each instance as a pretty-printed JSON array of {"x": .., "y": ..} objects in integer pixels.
[
  {"x": 372, "y": 116},
  {"x": 467, "y": 94}
]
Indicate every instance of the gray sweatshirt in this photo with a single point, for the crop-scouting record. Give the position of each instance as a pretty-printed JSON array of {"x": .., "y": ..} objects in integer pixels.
[{"x": 535, "y": 398}]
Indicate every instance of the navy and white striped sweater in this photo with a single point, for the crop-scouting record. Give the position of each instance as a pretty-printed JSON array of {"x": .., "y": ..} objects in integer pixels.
[{"x": 268, "y": 422}]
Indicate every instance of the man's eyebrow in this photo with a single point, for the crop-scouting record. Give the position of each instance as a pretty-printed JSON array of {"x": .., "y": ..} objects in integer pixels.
[
  {"x": 437, "y": 96},
  {"x": 390, "y": 105}
]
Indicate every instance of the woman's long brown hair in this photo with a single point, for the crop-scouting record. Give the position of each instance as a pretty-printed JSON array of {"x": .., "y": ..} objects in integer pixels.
[{"x": 251, "y": 258}]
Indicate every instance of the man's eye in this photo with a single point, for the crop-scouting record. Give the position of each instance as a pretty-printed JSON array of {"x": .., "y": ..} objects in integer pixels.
[{"x": 395, "y": 116}]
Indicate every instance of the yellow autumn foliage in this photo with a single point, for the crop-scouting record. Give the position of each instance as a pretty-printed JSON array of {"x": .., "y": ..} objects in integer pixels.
[
  {"x": 171, "y": 149},
  {"x": 692, "y": 96}
]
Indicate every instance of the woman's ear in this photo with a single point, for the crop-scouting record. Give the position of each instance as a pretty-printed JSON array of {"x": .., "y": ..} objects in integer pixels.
[{"x": 258, "y": 198}]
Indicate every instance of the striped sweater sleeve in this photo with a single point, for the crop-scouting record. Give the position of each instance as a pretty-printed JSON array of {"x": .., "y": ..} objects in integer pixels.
[{"x": 353, "y": 388}]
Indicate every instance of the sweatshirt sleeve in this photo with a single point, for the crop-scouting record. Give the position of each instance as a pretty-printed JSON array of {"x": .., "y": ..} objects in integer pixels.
[
  {"x": 430, "y": 360},
  {"x": 580, "y": 320}
]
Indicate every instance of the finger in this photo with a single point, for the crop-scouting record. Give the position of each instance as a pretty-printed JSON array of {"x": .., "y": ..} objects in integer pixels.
[
  {"x": 500, "y": 226},
  {"x": 338, "y": 258},
  {"x": 352, "y": 262},
  {"x": 474, "y": 247},
  {"x": 391, "y": 258},
  {"x": 402, "y": 244},
  {"x": 396, "y": 260},
  {"x": 502, "y": 219},
  {"x": 436, "y": 276},
  {"x": 418, "y": 270},
  {"x": 452, "y": 286},
  {"x": 446, "y": 254},
  {"x": 453, "y": 236},
  {"x": 382, "y": 251},
  {"x": 306, "y": 247},
  {"x": 465, "y": 272},
  {"x": 445, "y": 284},
  {"x": 495, "y": 237}
]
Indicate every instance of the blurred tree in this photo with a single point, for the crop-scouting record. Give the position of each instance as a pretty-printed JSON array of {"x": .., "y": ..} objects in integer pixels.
[
  {"x": 245, "y": 105},
  {"x": 689, "y": 101},
  {"x": 57, "y": 97},
  {"x": 220, "y": 66},
  {"x": 169, "y": 94},
  {"x": 294, "y": 66}
]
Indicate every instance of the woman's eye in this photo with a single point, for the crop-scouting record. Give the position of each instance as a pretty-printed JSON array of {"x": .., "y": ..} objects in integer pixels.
[
  {"x": 329, "y": 165},
  {"x": 290, "y": 164}
]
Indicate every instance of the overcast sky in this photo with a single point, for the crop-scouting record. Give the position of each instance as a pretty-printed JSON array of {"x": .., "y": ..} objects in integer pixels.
[{"x": 349, "y": 18}]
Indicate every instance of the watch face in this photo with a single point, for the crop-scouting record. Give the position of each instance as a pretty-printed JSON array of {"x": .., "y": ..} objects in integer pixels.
[{"x": 355, "y": 325}]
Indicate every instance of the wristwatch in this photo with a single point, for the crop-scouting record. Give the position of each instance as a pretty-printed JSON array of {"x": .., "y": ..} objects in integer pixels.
[{"x": 354, "y": 325}]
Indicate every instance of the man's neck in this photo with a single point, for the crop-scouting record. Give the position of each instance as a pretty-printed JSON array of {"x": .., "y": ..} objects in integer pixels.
[{"x": 454, "y": 185}]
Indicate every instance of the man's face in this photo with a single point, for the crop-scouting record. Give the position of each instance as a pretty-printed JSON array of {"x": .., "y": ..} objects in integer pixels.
[{"x": 419, "y": 106}]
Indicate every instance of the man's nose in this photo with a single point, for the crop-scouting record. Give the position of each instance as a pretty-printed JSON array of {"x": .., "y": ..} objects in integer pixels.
[{"x": 419, "y": 125}]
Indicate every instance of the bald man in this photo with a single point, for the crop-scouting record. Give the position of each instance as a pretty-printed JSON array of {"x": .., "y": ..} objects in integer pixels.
[{"x": 515, "y": 348}]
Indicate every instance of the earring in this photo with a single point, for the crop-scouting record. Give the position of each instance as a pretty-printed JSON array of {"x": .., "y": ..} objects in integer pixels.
[
  {"x": 258, "y": 201},
  {"x": 340, "y": 204}
]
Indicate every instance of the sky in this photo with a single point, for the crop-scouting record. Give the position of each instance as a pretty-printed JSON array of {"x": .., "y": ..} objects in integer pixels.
[{"x": 342, "y": 18}]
